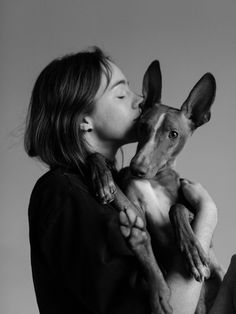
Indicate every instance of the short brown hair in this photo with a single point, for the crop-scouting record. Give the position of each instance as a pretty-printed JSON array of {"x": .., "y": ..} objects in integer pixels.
[{"x": 64, "y": 91}]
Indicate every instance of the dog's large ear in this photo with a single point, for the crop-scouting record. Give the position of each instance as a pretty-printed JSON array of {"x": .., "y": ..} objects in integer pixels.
[
  {"x": 198, "y": 104},
  {"x": 152, "y": 84}
]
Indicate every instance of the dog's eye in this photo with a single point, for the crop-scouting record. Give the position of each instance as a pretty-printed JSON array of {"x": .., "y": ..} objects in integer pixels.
[{"x": 173, "y": 134}]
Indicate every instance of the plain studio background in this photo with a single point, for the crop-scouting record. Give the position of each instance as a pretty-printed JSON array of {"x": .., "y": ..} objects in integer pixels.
[{"x": 188, "y": 37}]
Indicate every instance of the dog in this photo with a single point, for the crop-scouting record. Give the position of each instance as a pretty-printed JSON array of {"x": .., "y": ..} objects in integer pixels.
[{"x": 152, "y": 186}]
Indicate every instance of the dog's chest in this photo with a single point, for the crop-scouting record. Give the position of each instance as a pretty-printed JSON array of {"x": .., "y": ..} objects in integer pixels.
[
  {"x": 158, "y": 208},
  {"x": 154, "y": 200}
]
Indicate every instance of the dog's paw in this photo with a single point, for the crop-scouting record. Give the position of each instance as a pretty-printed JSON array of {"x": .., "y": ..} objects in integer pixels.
[
  {"x": 102, "y": 180},
  {"x": 104, "y": 186},
  {"x": 197, "y": 259},
  {"x": 161, "y": 301}
]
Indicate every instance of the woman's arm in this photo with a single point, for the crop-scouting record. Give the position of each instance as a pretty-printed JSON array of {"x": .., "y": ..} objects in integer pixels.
[{"x": 185, "y": 290}]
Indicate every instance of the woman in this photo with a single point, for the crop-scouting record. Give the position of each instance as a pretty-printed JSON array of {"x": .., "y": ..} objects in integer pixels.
[{"x": 80, "y": 104}]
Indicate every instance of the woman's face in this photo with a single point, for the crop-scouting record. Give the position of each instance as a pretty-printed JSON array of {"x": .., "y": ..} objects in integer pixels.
[{"x": 116, "y": 109}]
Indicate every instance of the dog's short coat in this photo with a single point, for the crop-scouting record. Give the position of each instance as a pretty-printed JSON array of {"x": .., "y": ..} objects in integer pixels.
[{"x": 152, "y": 184}]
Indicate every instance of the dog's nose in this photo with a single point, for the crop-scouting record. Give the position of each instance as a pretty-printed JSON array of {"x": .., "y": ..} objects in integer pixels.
[{"x": 137, "y": 171}]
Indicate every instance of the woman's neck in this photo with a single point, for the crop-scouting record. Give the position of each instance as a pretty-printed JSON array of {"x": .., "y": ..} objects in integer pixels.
[
  {"x": 107, "y": 149},
  {"x": 108, "y": 152}
]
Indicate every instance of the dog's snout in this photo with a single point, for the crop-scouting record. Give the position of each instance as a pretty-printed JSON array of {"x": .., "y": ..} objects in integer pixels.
[{"x": 137, "y": 171}]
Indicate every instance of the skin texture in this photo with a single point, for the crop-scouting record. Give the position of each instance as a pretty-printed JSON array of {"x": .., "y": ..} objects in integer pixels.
[{"x": 112, "y": 122}]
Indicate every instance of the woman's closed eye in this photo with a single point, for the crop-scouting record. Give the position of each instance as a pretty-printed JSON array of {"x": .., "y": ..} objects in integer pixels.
[{"x": 121, "y": 91}]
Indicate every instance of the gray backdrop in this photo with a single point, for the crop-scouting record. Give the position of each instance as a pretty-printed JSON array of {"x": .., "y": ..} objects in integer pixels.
[{"x": 188, "y": 37}]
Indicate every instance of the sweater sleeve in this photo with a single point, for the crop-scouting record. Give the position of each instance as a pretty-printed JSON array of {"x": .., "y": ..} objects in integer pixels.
[
  {"x": 56, "y": 245},
  {"x": 79, "y": 258}
]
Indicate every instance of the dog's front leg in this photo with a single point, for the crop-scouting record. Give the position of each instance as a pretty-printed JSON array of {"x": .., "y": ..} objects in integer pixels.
[
  {"x": 101, "y": 177},
  {"x": 133, "y": 228},
  {"x": 188, "y": 243},
  {"x": 134, "y": 231}
]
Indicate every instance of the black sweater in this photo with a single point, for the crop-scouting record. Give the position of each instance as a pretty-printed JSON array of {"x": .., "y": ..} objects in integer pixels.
[{"x": 80, "y": 261}]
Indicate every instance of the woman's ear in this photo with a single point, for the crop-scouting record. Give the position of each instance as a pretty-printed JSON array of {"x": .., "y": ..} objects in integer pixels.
[{"x": 86, "y": 125}]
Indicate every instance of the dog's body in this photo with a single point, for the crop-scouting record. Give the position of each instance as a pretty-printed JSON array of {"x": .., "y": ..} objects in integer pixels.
[
  {"x": 152, "y": 184},
  {"x": 155, "y": 200}
]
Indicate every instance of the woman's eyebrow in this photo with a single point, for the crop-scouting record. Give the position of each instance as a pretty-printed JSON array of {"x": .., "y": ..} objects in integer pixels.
[{"x": 124, "y": 82}]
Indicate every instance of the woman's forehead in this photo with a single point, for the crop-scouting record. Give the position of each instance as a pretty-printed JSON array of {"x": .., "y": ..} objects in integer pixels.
[{"x": 117, "y": 77}]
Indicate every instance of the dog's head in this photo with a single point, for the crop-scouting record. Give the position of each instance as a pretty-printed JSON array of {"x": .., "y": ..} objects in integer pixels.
[{"x": 163, "y": 130}]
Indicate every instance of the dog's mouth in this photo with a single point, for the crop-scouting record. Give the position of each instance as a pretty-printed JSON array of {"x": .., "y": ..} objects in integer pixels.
[
  {"x": 150, "y": 173},
  {"x": 144, "y": 172}
]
